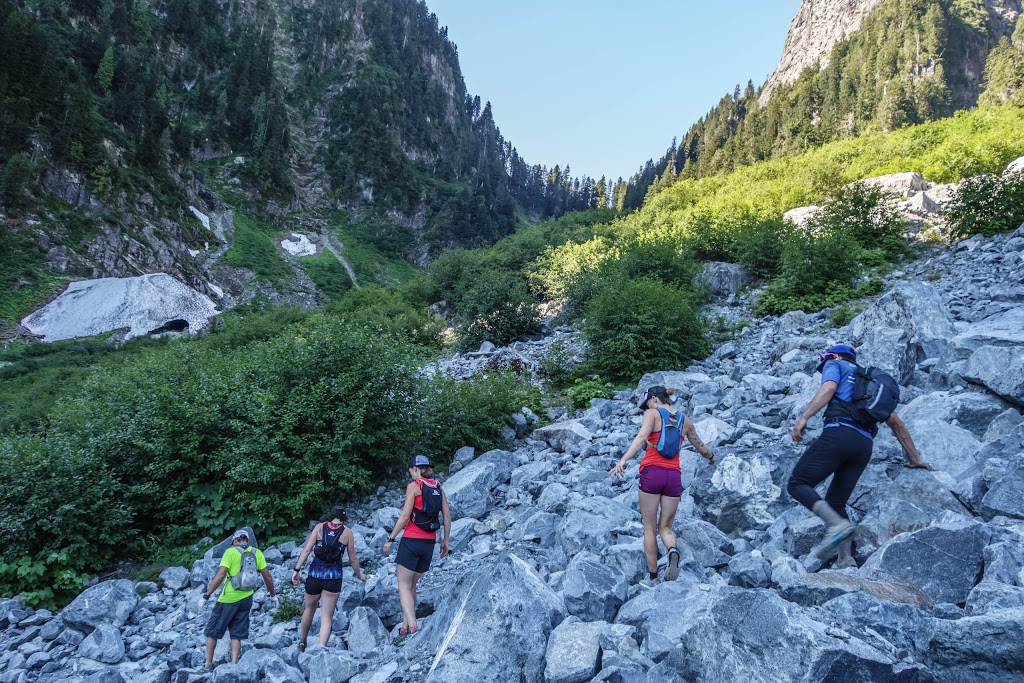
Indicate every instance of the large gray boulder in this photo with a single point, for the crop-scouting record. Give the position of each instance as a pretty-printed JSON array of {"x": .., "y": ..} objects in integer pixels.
[
  {"x": 978, "y": 645},
  {"x": 593, "y": 591},
  {"x": 898, "y": 184},
  {"x": 104, "y": 645},
  {"x": 469, "y": 490},
  {"x": 109, "y": 602},
  {"x": 971, "y": 410},
  {"x": 723, "y": 280},
  {"x": 916, "y": 308},
  {"x": 493, "y": 626},
  {"x": 592, "y": 523},
  {"x": 739, "y": 494},
  {"x": 1000, "y": 329},
  {"x": 945, "y": 447},
  {"x": 574, "y": 651},
  {"x": 562, "y": 435},
  {"x": 1000, "y": 370},
  {"x": 260, "y": 664},
  {"x": 365, "y": 632},
  {"x": 175, "y": 578},
  {"x": 1006, "y": 496},
  {"x": 871, "y": 617},
  {"x": 733, "y": 634},
  {"x": 890, "y": 349},
  {"x": 943, "y": 561},
  {"x": 328, "y": 666}
]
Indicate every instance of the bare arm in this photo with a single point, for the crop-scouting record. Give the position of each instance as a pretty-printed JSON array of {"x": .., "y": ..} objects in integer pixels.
[
  {"x": 899, "y": 429},
  {"x": 646, "y": 427},
  {"x": 350, "y": 540},
  {"x": 411, "y": 491},
  {"x": 218, "y": 579},
  {"x": 269, "y": 580},
  {"x": 825, "y": 393},
  {"x": 690, "y": 430},
  {"x": 447, "y": 523},
  {"x": 306, "y": 550}
]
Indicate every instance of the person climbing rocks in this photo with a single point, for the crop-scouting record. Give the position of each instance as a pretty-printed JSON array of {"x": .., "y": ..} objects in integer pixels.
[
  {"x": 327, "y": 543},
  {"x": 426, "y": 506},
  {"x": 661, "y": 481},
  {"x": 843, "y": 450},
  {"x": 243, "y": 566}
]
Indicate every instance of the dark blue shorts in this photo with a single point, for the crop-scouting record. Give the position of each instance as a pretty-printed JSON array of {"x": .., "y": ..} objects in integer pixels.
[
  {"x": 232, "y": 617},
  {"x": 415, "y": 554}
]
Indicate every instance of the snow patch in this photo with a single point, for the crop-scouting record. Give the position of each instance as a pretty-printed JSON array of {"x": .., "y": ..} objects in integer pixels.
[
  {"x": 203, "y": 218},
  {"x": 140, "y": 304},
  {"x": 298, "y": 245},
  {"x": 194, "y": 252}
]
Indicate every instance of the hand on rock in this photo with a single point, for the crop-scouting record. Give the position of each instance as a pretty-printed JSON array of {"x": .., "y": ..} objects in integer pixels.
[{"x": 617, "y": 471}]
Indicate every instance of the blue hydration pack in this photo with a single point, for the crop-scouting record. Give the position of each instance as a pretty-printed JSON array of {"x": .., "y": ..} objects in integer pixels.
[{"x": 671, "y": 438}]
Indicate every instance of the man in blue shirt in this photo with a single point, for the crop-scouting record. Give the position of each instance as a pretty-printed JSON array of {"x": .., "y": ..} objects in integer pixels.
[{"x": 843, "y": 450}]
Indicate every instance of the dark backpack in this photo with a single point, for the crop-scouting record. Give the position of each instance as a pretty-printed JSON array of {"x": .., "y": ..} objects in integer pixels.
[
  {"x": 671, "y": 438},
  {"x": 429, "y": 517},
  {"x": 875, "y": 394},
  {"x": 328, "y": 551}
]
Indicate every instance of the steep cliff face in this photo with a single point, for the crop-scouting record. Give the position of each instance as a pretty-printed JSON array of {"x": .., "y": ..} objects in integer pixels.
[{"x": 816, "y": 28}]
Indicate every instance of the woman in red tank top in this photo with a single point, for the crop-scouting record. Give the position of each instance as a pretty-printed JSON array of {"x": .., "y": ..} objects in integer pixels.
[
  {"x": 417, "y": 546},
  {"x": 661, "y": 483}
]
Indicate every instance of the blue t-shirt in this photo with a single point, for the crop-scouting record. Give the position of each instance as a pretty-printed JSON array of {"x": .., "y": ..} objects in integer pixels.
[{"x": 842, "y": 373}]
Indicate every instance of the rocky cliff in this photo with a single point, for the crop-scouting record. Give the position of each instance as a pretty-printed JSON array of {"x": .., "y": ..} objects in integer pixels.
[
  {"x": 816, "y": 28},
  {"x": 543, "y": 580}
]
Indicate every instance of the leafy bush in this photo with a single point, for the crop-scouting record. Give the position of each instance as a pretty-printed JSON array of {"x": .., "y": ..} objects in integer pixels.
[
  {"x": 558, "y": 363},
  {"x": 256, "y": 248},
  {"x": 633, "y": 327},
  {"x": 498, "y": 309},
  {"x": 473, "y": 412},
  {"x": 391, "y": 312},
  {"x": 583, "y": 390},
  {"x": 842, "y": 315},
  {"x": 757, "y": 245},
  {"x": 866, "y": 214},
  {"x": 986, "y": 204}
]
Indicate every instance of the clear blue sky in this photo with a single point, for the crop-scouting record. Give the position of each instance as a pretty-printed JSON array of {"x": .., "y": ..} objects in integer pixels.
[{"x": 604, "y": 85}]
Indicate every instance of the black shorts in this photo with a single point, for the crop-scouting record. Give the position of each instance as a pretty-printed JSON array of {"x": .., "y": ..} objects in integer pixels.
[
  {"x": 315, "y": 586},
  {"x": 415, "y": 554},
  {"x": 232, "y": 617}
]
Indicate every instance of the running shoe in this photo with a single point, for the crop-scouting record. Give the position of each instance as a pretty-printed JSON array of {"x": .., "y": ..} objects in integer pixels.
[
  {"x": 845, "y": 563},
  {"x": 836, "y": 535},
  {"x": 302, "y": 646},
  {"x": 648, "y": 583},
  {"x": 672, "y": 572}
]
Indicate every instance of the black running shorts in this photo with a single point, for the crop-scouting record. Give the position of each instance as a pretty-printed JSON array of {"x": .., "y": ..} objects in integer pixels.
[
  {"x": 415, "y": 554},
  {"x": 315, "y": 586}
]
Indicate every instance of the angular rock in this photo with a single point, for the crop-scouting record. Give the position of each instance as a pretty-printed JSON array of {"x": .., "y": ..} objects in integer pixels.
[
  {"x": 175, "y": 578},
  {"x": 873, "y": 618},
  {"x": 989, "y": 596},
  {"x": 916, "y": 308},
  {"x": 574, "y": 652},
  {"x": 1000, "y": 329},
  {"x": 592, "y": 523},
  {"x": 714, "y": 432},
  {"x": 109, "y": 602},
  {"x": 943, "y": 561},
  {"x": 986, "y": 643},
  {"x": 104, "y": 644},
  {"x": 493, "y": 626},
  {"x": 593, "y": 591},
  {"x": 900, "y": 184},
  {"x": 1005, "y": 497},
  {"x": 739, "y": 494},
  {"x": 970, "y": 410},
  {"x": 469, "y": 490},
  {"x": 723, "y": 280},
  {"x": 258, "y": 665},
  {"x": 749, "y": 571},
  {"x": 562, "y": 435},
  {"x": 365, "y": 632},
  {"x": 1000, "y": 370},
  {"x": 326, "y": 666}
]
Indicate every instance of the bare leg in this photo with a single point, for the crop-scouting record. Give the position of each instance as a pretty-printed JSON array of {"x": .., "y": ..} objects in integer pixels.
[
  {"x": 649, "y": 512},
  {"x": 330, "y": 601},
  {"x": 307, "y": 615},
  {"x": 407, "y": 579},
  {"x": 211, "y": 646},
  {"x": 236, "y": 649},
  {"x": 667, "y": 519}
]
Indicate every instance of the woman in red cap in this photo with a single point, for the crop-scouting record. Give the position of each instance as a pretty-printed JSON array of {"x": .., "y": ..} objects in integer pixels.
[
  {"x": 426, "y": 506},
  {"x": 661, "y": 480}
]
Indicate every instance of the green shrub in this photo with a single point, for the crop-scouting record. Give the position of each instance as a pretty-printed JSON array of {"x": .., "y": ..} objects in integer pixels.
[
  {"x": 866, "y": 214},
  {"x": 473, "y": 412},
  {"x": 391, "y": 312},
  {"x": 987, "y": 205},
  {"x": 558, "y": 363},
  {"x": 633, "y": 327},
  {"x": 842, "y": 315},
  {"x": 330, "y": 276},
  {"x": 583, "y": 390},
  {"x": 757, "y": 245},
  {"x": 256, "y": 248},
  {"x": 498, "y": 309}
]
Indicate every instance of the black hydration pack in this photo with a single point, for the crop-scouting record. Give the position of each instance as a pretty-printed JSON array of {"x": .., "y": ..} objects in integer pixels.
[
  {"x": 328, "y": 546},
  {"x": 429, "y": 517},
  {"x": 875, "y": 396}
]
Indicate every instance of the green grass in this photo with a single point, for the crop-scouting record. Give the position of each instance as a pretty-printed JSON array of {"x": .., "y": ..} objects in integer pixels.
[
  {"x": 369, "y": 263},
  {"x": 256, "y": 248},
  {"x": 330, "y": 277}
]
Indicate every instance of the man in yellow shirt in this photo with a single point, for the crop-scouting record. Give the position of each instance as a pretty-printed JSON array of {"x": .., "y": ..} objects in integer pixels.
[{"x": 231, "y": 613}]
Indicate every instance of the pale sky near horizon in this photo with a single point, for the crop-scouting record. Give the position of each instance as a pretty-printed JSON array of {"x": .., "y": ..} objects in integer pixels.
[{"x": 604, "y": 85}]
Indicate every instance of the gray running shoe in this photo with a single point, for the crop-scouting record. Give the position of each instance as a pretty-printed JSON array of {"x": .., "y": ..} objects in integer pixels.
[
  {"x": 845, "y": 563},
  {"x": 836, "y": 535},
  {"x": 672, "y": 572},
  {"x": 648, "y": 583}
]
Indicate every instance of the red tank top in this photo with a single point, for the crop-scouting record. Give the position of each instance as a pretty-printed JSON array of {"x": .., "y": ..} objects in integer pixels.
[
  {"x": 653, "y": 458},
  {"x": 413, "y": 531}
]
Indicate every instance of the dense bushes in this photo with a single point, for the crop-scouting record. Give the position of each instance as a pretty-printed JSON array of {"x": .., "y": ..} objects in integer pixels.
[
  {"x": 987, "y": 204},
  {"x": 197, "y": 437}
]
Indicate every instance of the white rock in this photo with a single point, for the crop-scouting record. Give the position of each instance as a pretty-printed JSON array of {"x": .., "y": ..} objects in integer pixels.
[{"x": 298, "y": 244}]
